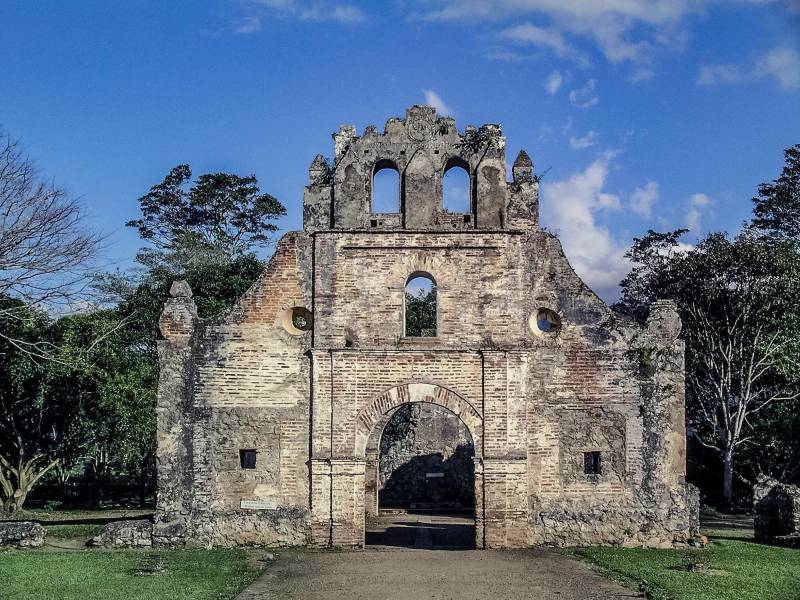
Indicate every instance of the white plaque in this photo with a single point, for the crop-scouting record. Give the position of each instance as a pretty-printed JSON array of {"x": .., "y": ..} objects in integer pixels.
[
  {"x": 258, "y": 504},
  {"x": 434, "y": 475}
]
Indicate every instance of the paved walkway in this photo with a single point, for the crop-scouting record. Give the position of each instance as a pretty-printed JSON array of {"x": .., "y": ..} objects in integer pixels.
[{"x": 405, "y": 562}]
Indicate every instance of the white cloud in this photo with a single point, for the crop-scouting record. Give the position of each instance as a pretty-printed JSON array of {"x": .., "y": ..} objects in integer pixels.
[
  {"x": 781, "y": 64},
  {"x": 625, "y": 31},
  {"x": 507, "y": 56},
  {"x": 698, "y": 205},
  {"x": 554, "y": 82},
  {"x": 539, "y": 36},
  {"x": 433, "y": 99},
  {"x": 715, "y": 74},
  {"x": 581, "y": 143},
  {"x": 572, "y": 207},
  {"x": 642, "y": 74},
  {"x": 259, "y": 10},
  {"x": 784, "y": 65},
  {"x": 249, "y": 24},
  {"x": 643, "y": 198},
  {"x": 584, "y": 97},
  {"x": 340, "y": 13}
]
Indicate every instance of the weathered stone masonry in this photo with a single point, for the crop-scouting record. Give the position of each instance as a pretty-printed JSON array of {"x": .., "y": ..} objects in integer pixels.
[{"x": 307, "y": 366}]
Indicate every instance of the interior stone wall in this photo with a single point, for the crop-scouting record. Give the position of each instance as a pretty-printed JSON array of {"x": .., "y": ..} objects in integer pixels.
[{"x": 426, "y": 460}]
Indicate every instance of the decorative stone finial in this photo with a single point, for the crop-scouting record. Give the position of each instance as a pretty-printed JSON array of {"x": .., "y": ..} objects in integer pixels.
[
  {"x": 180, "y": 289},
  {"x": 342, "y": 139},
  {"x": 523, "y": 168},
  {"x": 319, "y": 169}
]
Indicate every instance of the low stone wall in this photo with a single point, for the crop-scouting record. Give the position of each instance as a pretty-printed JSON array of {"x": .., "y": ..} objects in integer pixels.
[
  {"x": 125, "y": 534},
  {"x": 614, "y": 523},
  {"x": 21, "y": 534},
  {"x": 274, "y": 528},
  {"x": 777, "y": 518}
]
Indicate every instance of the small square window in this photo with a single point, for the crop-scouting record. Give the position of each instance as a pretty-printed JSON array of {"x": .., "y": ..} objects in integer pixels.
[
  {"x": 247, "y": 459},
  {"x": 591, "y": 463}
]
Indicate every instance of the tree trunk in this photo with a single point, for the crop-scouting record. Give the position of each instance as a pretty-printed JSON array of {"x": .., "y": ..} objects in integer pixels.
[
  {"x": 16, "y": 501},
  {"x": 727, "y": 480},
  {"x": 18, "y": 481}
]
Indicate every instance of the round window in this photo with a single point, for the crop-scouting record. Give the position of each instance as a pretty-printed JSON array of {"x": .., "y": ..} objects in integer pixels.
[
  {"x": 545, "y": 322},
  {"x": 297, "y": 320}
]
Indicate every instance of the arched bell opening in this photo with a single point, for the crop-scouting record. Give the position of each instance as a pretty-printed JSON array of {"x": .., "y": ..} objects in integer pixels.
[
  {"x": 457, "y": 187},
  {"x": 386, "y": 192}
]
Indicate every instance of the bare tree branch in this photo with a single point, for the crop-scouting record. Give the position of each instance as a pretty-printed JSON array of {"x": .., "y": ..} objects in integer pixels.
[{"x": 45, "y": 249}]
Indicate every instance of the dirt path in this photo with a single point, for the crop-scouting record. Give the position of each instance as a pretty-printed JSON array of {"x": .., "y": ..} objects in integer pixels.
[
  {"x": 430, "y": 557},
  {"x": 538, "y": 574}
]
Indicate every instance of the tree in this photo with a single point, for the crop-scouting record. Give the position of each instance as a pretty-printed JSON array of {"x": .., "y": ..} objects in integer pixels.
[
  {"x": 117, "y": 381},
  {"x": 421, "y": 313},
  {"x": 37, "y": 427},
  {"x": 223, "y": 212},
  {"x": 739, "y": 301},
  {"x": 204, "y": 233},
  {"x": 653, "y": 274},
  {"x": 738, "y": 343},
  {"x": 776, "y": 209},
  {"x": 45, "y": 250}
]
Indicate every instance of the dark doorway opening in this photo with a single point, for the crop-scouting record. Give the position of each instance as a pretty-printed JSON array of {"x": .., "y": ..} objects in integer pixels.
[{"x": 426, "y": 481}]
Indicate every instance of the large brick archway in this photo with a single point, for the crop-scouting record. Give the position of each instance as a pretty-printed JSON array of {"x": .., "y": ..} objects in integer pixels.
[
  {"x": 372, "y": 420},
  {"x": 342, "y": 488}
]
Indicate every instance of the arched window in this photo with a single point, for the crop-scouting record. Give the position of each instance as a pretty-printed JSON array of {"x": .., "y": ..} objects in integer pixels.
[
  {"x": 420, "y": 311},
  {"x": 385, "y": 188},
  {"x": 456, "y": 188}
]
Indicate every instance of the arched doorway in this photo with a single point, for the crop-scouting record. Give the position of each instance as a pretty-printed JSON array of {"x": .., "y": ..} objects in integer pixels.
[
  {"x": 422, "y": 487},
  {"x": 422, "y": 481}
]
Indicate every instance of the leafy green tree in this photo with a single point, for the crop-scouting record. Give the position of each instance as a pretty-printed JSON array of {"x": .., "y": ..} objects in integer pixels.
[
  {"x": 740, "y": 303},
  {"x": 421, "y": 313},
  {"x": 105, "y": 361},
  {"x": 37, "y": 427},
  {"x": 776, "y": 209},
  {"x": 204, "y": 232},
  {"x": 220, "y": 211},
  {"x": 738, "y": 300}
]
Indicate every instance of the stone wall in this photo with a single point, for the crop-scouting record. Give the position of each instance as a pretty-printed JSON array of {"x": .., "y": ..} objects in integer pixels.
[
  {"x": 538, "y": 369},
  {"x": 777, "y": 513},
  {"x": 21, "y": 534}
]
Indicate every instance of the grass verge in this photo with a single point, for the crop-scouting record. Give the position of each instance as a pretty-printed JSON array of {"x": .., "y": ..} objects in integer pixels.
[
  {"x": 71, "y": 531},
  {"x": 727, "y": 569},
  {"x": 125, "y": 574},
  {"x": 94, "y": 516}
]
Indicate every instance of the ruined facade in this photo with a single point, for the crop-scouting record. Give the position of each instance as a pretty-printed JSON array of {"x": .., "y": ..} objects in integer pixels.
[{"x": 269, "y": 416}]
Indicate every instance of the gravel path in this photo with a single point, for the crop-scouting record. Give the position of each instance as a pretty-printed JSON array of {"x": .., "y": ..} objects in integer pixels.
[{"x": 389, "y": 571}]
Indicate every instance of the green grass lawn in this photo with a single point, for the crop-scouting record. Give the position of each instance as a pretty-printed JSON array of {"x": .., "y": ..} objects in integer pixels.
[
  {"x": 71, "y": 531},
  {"x": 734, "y": 569},
  {"x": 99, "y": 515},
  {"x": 124, "y": 574}
]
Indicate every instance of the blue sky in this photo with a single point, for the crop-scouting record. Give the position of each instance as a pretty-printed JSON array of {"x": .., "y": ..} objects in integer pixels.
[{"x": 643, "y": 114}]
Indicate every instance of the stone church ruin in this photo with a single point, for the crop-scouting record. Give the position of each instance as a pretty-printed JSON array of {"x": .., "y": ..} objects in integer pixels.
[{"x": 560, "y": 422}]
